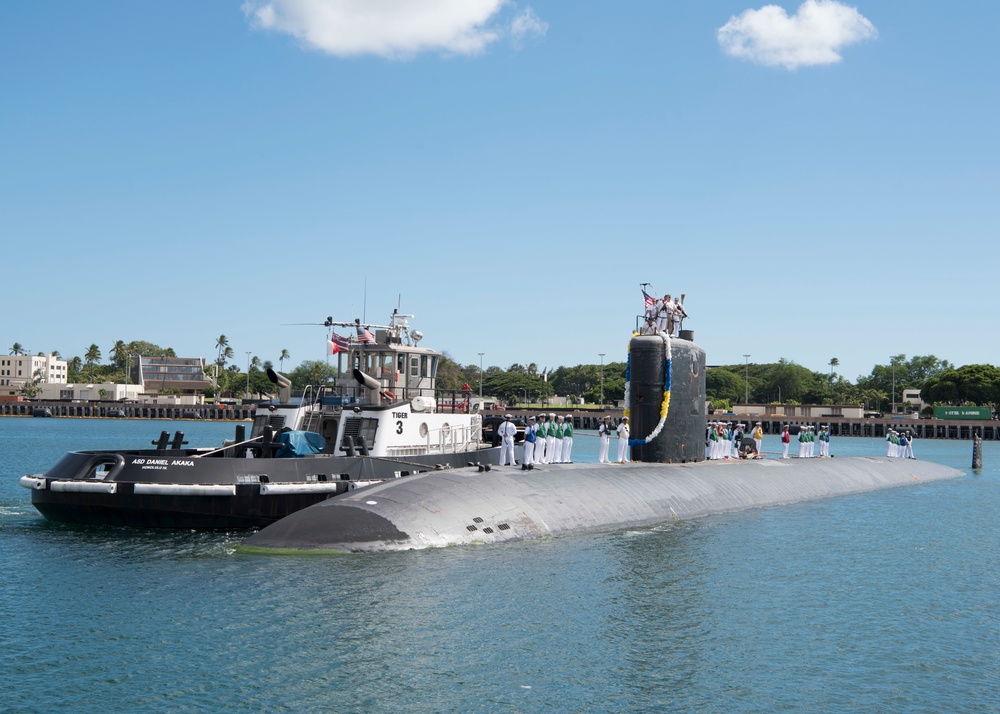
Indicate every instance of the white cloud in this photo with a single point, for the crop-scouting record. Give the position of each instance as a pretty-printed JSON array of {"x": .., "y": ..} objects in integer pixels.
[
  {"x": 814, "y": 35},
  {"x": 393, "y": 28},
  {"x": 527, "y": 24}
]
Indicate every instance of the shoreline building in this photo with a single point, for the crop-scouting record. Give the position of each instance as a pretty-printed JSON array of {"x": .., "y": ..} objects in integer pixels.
[
  {"x": 152, "y": 380},
  {"x": 17, "y": 370}
]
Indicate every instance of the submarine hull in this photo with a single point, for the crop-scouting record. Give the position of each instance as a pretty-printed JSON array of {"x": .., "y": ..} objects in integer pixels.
[{"x": 466, "y": 506}]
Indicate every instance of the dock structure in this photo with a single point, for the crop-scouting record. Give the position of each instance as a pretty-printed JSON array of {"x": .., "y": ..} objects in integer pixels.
[
  {"x": 115, "y": 410},
  {"x": 921, "y": 428},
  {"x": 839, "y": 426}
]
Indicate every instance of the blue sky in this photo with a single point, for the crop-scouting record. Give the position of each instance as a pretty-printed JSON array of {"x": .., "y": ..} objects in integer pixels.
[{"x": 819, "y": 179}]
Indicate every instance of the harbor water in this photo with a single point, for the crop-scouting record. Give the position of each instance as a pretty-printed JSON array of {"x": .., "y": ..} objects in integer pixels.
[{"x": 878, "y": 602}]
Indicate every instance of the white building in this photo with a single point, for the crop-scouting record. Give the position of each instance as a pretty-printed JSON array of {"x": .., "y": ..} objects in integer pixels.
[
  {"x": 913, "y": 397},
  {"x": 105, "y": 391},
  {"x": 16, "y": 370}
]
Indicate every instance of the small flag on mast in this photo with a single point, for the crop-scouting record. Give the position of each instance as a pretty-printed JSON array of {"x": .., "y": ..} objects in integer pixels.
[{"x": 365, "y": 335}]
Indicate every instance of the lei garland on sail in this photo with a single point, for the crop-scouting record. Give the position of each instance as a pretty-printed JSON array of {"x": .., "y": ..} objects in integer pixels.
[{"x": 664, "y": 405}]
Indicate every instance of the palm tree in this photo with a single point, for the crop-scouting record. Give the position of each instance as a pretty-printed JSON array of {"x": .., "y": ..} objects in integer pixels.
[
  {"x": 118, "y": 353},
  {"x": 17, "y": 349},
  {"x": 834, "y": 362},
  {"x": 255, "y": 362},
  {"x": 92, "y": 356},
  {"x": 55, "y": 353},
  {"x": 282, "y": 357},
  {"x": 221, "y": 344}
]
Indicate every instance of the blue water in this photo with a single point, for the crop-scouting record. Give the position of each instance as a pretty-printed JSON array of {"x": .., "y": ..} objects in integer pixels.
[{"x": 881, "y": 602}]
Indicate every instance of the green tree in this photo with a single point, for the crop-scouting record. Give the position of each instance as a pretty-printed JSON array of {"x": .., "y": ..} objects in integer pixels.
[
  {"x": 119, "y": 354},
  {"x": 17, "y": 349},
  {"x": 909, "y": 374},
  {"x": 311, "y": 372},
  {"x": 721, "y": 383},
  {"x": 792, "y": 381},
  {"x": 508, "y": 387},
  {"x": 282, "y": 357},
  {"x": 92, "y": 357},
  {"x": 450, "y": 374},
  {"x": 977, "y": 384}
]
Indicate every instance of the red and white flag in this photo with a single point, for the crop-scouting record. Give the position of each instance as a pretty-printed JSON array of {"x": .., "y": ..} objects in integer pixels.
[{"x": 336, "y": 344}]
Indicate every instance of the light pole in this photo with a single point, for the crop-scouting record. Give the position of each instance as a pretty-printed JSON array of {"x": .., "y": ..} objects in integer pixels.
[
  {"x": 601, "y": 355},
  {"x": 893, "y": 360},
  {"x": 248, "y": 375},
  {"x": 525, "y": 393},
  {"x": 746, "y": 383},
  {"x": 481, "y": 374}
]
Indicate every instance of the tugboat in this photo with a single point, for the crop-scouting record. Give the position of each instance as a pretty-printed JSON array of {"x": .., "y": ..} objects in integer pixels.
[{"x": 379, "y": 420}]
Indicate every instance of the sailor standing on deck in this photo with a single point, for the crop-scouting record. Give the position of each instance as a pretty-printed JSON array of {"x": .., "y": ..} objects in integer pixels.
[
  {"x": 664, "y": 321},
  {"x": 623, "y": 432},
  {"x": 540, "y": 431},
  {"x": 803, "y": 442},
  {"x": 529, "y": 442},
  {"x": 604, "y": 431},
  {"x": 557, "y": 436},
  {"x": 507, "y": 431},
  {"x": 551, "y": 455},
  {"x": 758, "y": 437},
  {"x": 679, "y": 315},
  {"x": 567, "y": 452},
  {"x": 824, "y": 441},
  {"x": 786, "y": 438}
]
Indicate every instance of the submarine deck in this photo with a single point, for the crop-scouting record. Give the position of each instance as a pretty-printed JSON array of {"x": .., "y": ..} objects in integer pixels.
[{"x": 465, "y": 506}]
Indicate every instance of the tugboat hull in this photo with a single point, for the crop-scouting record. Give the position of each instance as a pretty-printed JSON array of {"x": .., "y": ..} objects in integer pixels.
[{"x": 180, "y": 489}]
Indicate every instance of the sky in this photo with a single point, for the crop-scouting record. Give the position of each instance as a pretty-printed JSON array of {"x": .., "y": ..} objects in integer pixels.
[{"x": 819, "y": 179}]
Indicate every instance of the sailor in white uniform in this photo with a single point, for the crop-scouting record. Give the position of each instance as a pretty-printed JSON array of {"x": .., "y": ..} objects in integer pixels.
[
  {"x": 551, "y": 454},
  {"x": 507, "y": 430},
  {"x": 664, "y": 321},
  {"x": 623, "y": 432},
  {"x": 529, "y": 442},
  {"x": 758, "y": 437},
  {"x": 557, "y": 436},
  {"x": 541, "y": 429},
  {"x": 567, "y": 452},
  {"x": 679, "y": 315},
  {"x": 604, "y": 431}
]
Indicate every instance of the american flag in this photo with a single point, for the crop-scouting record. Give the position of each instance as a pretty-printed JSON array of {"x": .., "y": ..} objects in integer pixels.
[
  {"x": 648, "y": 299},
  {"x": 365, "y": 335}
]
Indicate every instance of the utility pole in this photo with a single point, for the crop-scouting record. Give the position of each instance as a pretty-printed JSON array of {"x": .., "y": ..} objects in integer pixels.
[
  {"x": 601, "y": 355},
  {"x": 746, "y": 383},
  {"x": 481, "y": 374}
]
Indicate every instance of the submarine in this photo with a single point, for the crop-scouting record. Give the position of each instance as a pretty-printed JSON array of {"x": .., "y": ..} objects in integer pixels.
[{"x": 668, "y": 480}]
